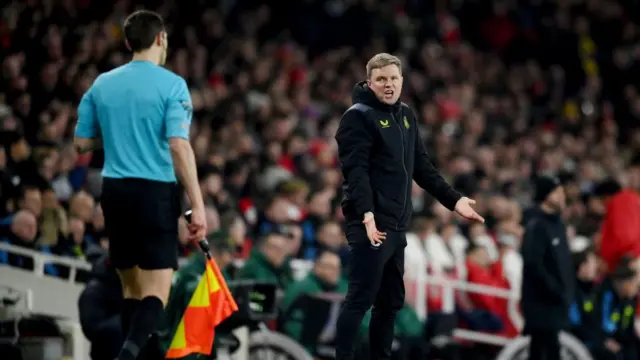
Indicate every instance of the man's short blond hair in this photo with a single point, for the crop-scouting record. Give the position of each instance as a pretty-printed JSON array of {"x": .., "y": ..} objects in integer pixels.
[{"x": 381, "y": 60}]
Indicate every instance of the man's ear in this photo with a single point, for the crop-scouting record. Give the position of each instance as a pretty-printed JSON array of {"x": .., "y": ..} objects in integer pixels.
[{"x": 369, "y": 82}]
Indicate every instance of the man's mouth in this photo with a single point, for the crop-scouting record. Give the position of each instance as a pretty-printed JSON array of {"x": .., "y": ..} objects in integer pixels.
[{"x": 388, "y": 92}]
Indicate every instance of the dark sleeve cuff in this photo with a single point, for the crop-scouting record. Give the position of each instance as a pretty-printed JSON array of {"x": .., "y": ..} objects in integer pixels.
[{"x": 450, "y": 199}]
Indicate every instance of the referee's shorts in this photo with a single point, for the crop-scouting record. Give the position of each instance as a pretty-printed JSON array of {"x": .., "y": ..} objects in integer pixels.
[{"x": 141, "y": 221}]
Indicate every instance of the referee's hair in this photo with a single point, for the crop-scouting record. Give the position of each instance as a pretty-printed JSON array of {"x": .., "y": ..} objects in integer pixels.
[{"x": 141, "y": 28}]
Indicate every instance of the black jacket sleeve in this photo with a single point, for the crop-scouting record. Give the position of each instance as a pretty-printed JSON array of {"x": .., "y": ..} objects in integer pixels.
[
  {"x": 535, "y": 244},
  {"x": 97, "y": 324},
  {"x": 355, "y": 141},
  {"x": 428, "y": 177}
]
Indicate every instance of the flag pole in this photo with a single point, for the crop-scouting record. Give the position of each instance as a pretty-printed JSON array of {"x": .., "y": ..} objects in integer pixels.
[{"x": 203, "y": 243}]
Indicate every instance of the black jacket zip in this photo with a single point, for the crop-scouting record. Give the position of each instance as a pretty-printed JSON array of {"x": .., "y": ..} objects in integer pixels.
[{"x": 406, "y": 173}]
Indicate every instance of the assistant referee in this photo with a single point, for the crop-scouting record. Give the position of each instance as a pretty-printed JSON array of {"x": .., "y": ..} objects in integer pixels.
[{"x": 141, "y": 113}]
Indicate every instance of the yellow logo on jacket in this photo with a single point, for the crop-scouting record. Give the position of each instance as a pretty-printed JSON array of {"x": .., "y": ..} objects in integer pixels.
[
  {"x": 384, "y": 123},
  {"x": 406, "y": 122}
]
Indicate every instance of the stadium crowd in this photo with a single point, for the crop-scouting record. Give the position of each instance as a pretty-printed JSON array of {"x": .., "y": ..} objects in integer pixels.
[{"x": 505, "y": 90}]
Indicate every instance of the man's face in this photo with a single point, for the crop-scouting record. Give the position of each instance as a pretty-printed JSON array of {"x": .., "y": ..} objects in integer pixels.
[
  {"x": 26, "y": 228},
  {"x": 634, "y": 177},
  {"x": 275, "y": 249},
  {"x": 32, "y": 201},
  {"x": 386, "y": 83},
  {"x": 213, "y": 218},
  {"x": 77, "y": 230},
  {"x": 628, "y": 288},
  {"x": 330, "y": 235},
  {"x": 20, "y": 150},
  {"x": 213, "y": 184},
  {"x": 327, "y": 268},
  {"x": 477, "y": 230},
  {"x": 82, "y": 205},
  {"x": 589, "y": 269},
  {"x": 238, "y": 231},
  {"x": 557, "y": 199},
  {"x": 300, "y": 196},
  {"x": 49, "y": 200},
  {"x": 320, "y": 206}
]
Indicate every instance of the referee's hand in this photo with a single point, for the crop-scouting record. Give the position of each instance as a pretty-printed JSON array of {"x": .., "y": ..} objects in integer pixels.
[
  {"x": 198, "y": 225},
  {"x": 375, "y": 236}
]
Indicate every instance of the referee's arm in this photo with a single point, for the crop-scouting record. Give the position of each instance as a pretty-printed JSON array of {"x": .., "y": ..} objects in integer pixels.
[
  {"x": 87, "y": 135},
  {"x": 178, "y": 121},
  {"x": 354, "y": 145}
]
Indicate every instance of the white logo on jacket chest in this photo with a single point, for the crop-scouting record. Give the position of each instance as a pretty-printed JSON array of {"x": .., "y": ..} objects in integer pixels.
[{"x": 555, "y": 242}]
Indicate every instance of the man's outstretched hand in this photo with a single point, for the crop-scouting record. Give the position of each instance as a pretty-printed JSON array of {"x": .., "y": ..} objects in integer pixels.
[
  {"x": 375, "y": 236},
  {"x": 464, "y": 209}
]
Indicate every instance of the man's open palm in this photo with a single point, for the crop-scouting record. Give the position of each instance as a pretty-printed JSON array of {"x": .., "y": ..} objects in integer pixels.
[{"x": 464, "y": 209}]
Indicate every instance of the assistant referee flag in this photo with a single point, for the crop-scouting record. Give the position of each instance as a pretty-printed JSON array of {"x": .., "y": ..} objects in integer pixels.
[{"x": 210, "y": 304}]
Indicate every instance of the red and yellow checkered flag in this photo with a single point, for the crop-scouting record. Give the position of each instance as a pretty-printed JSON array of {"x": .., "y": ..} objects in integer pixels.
[{"x": 210, "y": 304}]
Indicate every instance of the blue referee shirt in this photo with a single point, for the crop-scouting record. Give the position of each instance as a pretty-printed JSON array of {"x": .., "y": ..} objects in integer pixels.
[{"x": 136, "y": 108}]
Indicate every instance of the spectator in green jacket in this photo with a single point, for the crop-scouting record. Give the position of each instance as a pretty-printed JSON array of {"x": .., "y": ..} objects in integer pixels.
[
  {"x": 325, "y": 277},
  {"x": 185, "y": 282},
  {"x": 269, "y": 261},
  {"x": 408, "y": 330},
  {"x": 407, "y": 323}
]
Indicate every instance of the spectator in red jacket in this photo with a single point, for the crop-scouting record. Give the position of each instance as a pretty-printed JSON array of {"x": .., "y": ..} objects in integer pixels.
[
  {"x": 481, "y": 271},
  {"x": 620, "y": 233}
]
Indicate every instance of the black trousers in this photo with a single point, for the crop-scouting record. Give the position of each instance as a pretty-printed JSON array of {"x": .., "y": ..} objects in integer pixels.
[
  {"x": 545, "y": 345},
  {"x": 375, "y": 277}
]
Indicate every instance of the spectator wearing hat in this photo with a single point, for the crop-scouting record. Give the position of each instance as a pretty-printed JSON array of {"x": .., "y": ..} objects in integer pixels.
[
  {"x": 20, "y": 159},
  {"x": 620, "y": 231},
  {"x": 548, "y": 278}
]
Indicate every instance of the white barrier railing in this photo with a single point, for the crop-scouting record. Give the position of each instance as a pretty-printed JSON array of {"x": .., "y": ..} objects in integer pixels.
[
  {"x": 41, "y": 259},
  {"x": 301, "y": 267},
  {"x": 449, "y": 286}
]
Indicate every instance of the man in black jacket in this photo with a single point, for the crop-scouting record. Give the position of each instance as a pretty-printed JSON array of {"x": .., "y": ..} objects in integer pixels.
[
  {"x": 611, "y": 322},
  {"x": 548, "y": 280},
  {"x": 99, "y": 307},
  {"x": 100, "y": 310},
  {"x": 381, "y": 153}
]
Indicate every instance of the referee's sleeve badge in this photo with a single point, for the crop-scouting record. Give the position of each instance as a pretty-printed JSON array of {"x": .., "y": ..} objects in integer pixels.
[{"x": 186, "y": 105}]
